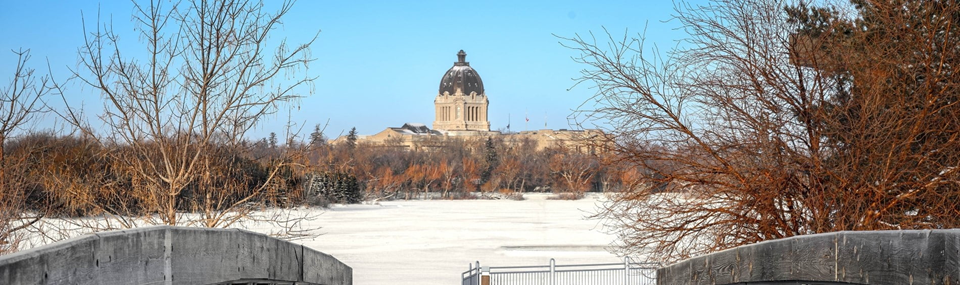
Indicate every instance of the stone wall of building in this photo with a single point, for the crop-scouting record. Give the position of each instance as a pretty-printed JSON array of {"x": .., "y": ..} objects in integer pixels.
[
  {"x": 583, "y": 141},
  {"x": 456, "y": 112}
]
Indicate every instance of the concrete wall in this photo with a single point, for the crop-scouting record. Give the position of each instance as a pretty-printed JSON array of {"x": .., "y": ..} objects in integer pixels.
[
  {"x": 871, "y": 257},
  {"x": 172, "y": 255}
]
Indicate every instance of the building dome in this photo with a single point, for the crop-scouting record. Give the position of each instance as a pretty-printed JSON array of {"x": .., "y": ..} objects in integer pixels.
[{"x": 461, "y": 77}]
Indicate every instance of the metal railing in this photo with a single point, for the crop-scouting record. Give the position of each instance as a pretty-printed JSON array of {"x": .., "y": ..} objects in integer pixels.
[
  {"x": 472, "y": 276},
  {"x": 626, "y": 273}
]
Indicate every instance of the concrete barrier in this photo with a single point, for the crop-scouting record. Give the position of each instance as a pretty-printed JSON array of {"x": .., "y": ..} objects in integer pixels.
[
  {"x": 869, "y": 257},
  {"x": 172, "y": 255}
]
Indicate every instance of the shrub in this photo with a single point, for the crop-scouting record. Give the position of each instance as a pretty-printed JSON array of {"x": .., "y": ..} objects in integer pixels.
[
  {"x": 567, "y": 196},
  {"x": 332, "y": 187}
]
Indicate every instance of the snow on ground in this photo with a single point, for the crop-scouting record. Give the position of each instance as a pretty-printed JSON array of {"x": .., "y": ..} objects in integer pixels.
[{"x": 432, "y": 242}]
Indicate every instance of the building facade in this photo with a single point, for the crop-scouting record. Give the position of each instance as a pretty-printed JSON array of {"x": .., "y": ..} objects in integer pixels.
[
  {"x": 461, "y": 103},
  {"x": 461, "y": 108}
]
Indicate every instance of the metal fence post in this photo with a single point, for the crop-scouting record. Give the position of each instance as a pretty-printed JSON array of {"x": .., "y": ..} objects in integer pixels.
[
  {"x": 626, "y": 270},
  {"x": 479, "y": 274},
  {"x": 553, "y": 272},
  {"x": 485, "y": 275}
]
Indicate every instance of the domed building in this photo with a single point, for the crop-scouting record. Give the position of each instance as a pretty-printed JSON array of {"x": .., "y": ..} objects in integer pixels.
[
  {"x": 461, "y": 112},
  {"x": 461, "y": 103}
]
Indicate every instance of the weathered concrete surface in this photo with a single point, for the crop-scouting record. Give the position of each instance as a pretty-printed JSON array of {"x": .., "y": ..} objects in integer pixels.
[
  {"x": 869, "y": 257},
  {"x": 172, "y": 255}
]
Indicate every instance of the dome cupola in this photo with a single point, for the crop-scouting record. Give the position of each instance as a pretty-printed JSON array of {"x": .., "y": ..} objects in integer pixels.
[
  {"x": 461, "y": 78},
  {"x": 461, "y": 105}
]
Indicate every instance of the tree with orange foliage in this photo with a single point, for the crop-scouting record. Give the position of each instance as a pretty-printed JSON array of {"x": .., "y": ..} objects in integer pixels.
[
  {"x": 432, "y": 177},
  {"x": 509, "y": 171},
  {"x": 448, "y": 176},
  {"x": 574, "y": 171},
  {"x": 775, "y": 119},
  {"x": 472, "y": 172}
]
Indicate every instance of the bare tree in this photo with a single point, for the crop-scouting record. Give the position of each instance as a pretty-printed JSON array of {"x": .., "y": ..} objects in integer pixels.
[
  {"x": 574, "y": 172},
  {"x": 773, "y": 120},
  {"x": 180, "y": 112},
  {"x": 20, "y": 102}
]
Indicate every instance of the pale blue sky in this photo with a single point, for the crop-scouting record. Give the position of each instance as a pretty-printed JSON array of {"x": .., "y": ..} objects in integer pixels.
[{"x": 380, "y": 62}]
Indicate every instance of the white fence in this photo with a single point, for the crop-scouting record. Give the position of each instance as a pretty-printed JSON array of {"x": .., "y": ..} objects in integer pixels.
[{"x": 626, "y": 273}]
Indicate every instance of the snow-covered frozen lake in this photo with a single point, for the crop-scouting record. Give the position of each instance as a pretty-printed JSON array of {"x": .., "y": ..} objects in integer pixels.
[{"x": 432, "y": 242}]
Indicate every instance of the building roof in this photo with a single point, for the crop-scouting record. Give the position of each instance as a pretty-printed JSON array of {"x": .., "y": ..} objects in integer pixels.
[
  {"x": 415, "y": 129},
  {"x": 461, "y": 77}
]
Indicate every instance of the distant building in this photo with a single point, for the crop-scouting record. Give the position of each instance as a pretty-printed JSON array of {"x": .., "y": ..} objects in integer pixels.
[
  {"x": 461, "y": 108},
  {"x": 461, "y": 103}
]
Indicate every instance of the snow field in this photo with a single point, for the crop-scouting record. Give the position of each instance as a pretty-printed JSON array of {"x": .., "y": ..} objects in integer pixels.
[{"x": 432, "y": 242}]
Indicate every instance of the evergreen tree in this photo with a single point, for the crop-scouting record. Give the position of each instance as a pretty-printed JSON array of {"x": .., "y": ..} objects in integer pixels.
[
  {"x": 273, "y": 140},
  {"x": 352, "y": 138},
  {"x": 333, "y": 187},
  {"x": 316, "y": 138},
  {"x": 491, "y": 161}
]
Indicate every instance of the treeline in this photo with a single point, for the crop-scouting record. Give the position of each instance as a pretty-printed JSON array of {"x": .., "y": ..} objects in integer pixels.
[
  {"x": 79, "y": 176},
  {"x": 457, "y": 167},
  {"x": 75, "y": 176}
]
